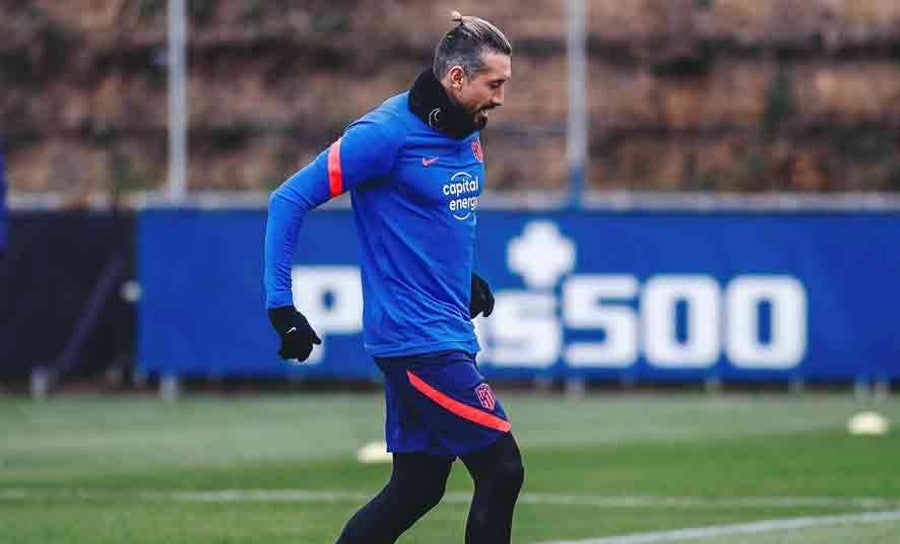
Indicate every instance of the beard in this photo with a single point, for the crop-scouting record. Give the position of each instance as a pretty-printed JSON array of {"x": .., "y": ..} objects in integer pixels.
[
  {"x": 480, "y": 120},
  {"x": 480, "y": 117}
]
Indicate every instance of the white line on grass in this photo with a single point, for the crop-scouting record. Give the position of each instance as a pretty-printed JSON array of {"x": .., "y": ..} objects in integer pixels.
[
  {"x": 13, "y": 494},
  {"x": 608, "y": 501},
  {"x": 719, "y": 531},
  {"x": 643, "y": 501},
  {"x": 274, "y": 495}
]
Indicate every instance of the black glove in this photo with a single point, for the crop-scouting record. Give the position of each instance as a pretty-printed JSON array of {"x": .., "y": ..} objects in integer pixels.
[
  {"x": 297, "y": 336},
  {"x": 482, "y": 299}
]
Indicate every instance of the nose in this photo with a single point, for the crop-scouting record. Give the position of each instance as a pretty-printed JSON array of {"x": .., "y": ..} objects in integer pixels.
[{"x": 497, "y": 99}]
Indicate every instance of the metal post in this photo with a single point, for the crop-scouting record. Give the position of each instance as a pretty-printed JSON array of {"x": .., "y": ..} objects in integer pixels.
[
  {"x": 576, "y": 143},
  {"x": 169, "y": 387},
  {"x": 177, "y": 187},
  {"x": 575, "y": 388},
  {"x": 41, "y": 381}
]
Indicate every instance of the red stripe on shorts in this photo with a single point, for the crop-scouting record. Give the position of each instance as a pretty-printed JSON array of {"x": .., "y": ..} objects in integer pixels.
[
  {"x": 462, "y": 410},
  {"x": 335, "y": 178}
]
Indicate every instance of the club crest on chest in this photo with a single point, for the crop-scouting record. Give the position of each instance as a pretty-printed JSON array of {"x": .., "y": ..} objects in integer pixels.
[{"x": 477, "y": 151}]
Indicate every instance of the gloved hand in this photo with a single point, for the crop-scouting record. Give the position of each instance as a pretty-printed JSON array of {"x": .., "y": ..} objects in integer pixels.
[
  {"x": 297, "y": 336},
  {"x": 482, "y": 299}
]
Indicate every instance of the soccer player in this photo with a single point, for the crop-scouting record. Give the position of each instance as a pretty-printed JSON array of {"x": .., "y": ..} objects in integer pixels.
[{"x": 414, "y": 169}]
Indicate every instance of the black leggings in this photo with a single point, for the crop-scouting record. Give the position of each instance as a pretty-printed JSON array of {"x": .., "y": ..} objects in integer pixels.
[
  {"x": 498, "y": 475},
  {"x": 417, "y": 484}
]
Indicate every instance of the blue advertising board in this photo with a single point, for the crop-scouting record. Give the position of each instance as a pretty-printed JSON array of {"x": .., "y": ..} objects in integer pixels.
[{"x": 662, "y": 296}]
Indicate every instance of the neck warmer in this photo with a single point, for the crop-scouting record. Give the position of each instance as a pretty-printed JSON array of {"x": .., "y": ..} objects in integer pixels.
[{"x": 430, "y": 102}]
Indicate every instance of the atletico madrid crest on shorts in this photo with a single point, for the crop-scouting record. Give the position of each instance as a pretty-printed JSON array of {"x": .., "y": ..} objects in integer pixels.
[
  {"x": 476, "y": 150},
  {"x": 485, "y": 396}
]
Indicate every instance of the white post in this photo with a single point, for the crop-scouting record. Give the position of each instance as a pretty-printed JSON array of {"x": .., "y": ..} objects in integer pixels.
[
  {"x": 169, "y": 387},
  {"x": 177, "y": 187},
  {"x": 41, "y": 379},
  {"x": 576, "y": 143}
]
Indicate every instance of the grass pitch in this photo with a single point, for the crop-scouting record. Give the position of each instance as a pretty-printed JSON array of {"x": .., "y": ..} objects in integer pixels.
[{"x": 283, "y": 469}]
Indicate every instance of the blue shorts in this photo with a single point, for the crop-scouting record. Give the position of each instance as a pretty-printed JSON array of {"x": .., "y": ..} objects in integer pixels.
[{"x": 438, "y": 403}]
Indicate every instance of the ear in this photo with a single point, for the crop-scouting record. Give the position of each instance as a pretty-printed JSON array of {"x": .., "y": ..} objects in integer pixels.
[{"x": 457, "y": 75}]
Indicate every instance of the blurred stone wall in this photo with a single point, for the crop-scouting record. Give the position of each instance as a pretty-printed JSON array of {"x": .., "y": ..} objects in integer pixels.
[{"x": 724, "y": 95}]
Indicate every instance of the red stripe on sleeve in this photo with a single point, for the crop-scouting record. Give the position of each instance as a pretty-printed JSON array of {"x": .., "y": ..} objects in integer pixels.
[
  {"x": 335, "y": 179},
  {"x": 462, "y": 410}
]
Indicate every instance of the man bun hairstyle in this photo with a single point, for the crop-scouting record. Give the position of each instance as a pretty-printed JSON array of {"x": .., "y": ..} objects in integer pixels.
[{"x": 465, "y": 44}]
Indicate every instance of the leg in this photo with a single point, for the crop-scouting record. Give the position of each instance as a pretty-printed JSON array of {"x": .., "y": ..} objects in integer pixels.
[
  {"x": 416, "y": 486},
  {"x": 498, "y": 474}
]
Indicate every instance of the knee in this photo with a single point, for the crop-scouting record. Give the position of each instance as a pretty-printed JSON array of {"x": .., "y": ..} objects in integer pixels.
[
  {"x": 510, "y": 474},
  {"x": 499, "y": 467}
]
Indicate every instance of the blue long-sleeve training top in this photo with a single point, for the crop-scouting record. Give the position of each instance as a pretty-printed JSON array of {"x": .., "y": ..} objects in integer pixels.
[{"x": 414, "y": 191}]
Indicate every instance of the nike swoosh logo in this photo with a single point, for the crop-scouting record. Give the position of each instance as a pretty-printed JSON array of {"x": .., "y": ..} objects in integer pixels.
[
  {"x": 429, "y": 162},
  {"x": 292, "y": 329}
]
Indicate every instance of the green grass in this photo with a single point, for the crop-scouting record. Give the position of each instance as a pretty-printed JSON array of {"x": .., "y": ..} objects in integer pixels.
[{"x": 110, "y": 470}]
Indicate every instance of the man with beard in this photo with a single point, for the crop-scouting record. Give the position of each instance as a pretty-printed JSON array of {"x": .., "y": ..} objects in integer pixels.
[{"x": 414, "y": 168}]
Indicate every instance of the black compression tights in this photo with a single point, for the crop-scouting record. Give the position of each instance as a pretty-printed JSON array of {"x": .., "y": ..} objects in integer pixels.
[
  {"x": 417, "y": 484},
  {"x": 498, "y": 475}
]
